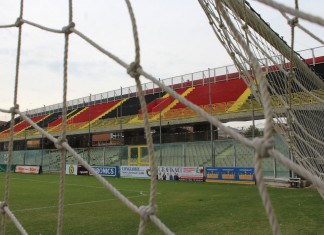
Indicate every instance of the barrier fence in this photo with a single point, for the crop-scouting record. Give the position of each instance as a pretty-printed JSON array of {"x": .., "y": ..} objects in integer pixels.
[{"x": 226, "y": 153}]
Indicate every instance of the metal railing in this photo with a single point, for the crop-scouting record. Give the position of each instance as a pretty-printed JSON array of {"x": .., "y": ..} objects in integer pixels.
[{"x": 187, "y": 80}]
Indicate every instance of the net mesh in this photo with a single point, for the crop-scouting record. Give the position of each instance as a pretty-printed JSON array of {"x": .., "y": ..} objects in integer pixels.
[
  {"x": 296, "y": 92},
  {"x": 246, "y": 37}
]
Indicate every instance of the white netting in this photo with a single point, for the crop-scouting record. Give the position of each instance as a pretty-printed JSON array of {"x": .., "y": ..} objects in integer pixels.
[
  {"x": 296, "y": 91},
  {"x": 246, "y": 37},
  {"x": 265, "y": 59}
]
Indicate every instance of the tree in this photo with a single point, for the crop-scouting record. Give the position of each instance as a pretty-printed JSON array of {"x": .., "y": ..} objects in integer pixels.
[{"x": 249, "y": 132}]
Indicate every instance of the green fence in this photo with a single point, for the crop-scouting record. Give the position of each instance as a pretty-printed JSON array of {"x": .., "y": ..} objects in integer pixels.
[{"x": 227, "y": 153}]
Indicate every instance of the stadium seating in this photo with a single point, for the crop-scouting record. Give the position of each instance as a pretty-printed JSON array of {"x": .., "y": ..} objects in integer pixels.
[
  {"x": 21, "y": 126},
  {"x": 160, "y": 104},
  {"x": 93, "y": 112},
  {"x": 7, "y": 125},
  {"x": 215, "y": 93},
  {"x": 58, "y": 121}
]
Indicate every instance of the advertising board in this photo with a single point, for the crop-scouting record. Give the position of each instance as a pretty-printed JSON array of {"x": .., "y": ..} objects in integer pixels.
[
  {"x": 110, "y": 171},
  {"x": 240, "y": 175},
  {"x": 82, "y": 170},
  {"x": 71, "y": 169},
  {"x": 181, "y": 173},
  {"x": 142, "y": 172},
  {"x": 28, "y": 169},
  {"x": 76, "y": 170}
]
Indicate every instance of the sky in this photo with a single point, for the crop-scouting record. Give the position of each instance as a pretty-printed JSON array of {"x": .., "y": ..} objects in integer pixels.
[{"x": 175, "y": 39}]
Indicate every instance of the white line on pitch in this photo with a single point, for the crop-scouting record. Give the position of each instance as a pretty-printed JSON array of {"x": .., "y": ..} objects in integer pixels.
[
  {"x": 74, "y": 204},
  {"x": 80, "y": 185}
]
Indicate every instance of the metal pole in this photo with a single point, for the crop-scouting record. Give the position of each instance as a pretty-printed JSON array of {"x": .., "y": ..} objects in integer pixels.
[
  {"x": 43, "y": 142},
  {"x": 211, "y": 125},
  {"x": 234, "y": 155},
  {"x": 89, "y": 130},
  {"x": 25, "y": 147},
  {"x": 289, "y": 120},
  {"x": 25, "y": 144},
  {"x": 160, "y": 127},
  {"x": 121, "y": 112},
  {"x": 120, "y": 126},
  {"x": 104, "y": 156},
  {"x": 253, "y": 122},
  {"x": 274, "y": 168},
  {"x": 184, "y": 155}
]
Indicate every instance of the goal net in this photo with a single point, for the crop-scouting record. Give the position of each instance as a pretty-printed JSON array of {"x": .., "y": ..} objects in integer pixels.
[
  {"x": 279, "y": 80},
  {"x": 296, "y": 92}
]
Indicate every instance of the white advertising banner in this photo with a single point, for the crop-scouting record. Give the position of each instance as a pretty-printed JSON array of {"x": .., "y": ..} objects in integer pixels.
[
  {"x": 181, "y": 173},
  {"x": 27, "y": 169},
  {"x": 71, "y": 169},
  {"x": 142, "y": 172}
]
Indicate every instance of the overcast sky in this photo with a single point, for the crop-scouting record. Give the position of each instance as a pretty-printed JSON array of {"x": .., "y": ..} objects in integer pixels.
[{"x": 175, "y": 39}]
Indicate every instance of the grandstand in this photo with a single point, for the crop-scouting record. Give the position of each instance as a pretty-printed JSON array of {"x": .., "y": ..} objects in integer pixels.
[
  {"x": 102, "y": 126},
  {"x": 180, "y": 120}
]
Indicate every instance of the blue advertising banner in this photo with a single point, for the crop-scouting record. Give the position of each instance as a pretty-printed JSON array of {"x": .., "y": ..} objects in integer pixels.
[
  {"x": 240, "y": 175},
  {"x": 110, "y": 171}
]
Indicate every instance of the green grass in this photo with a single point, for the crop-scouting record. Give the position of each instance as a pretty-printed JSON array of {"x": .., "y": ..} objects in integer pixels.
[{"x": 185, "y": 207}]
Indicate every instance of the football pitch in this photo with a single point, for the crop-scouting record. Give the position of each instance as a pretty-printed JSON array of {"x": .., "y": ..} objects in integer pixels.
[{"x": 185, "y": 207}]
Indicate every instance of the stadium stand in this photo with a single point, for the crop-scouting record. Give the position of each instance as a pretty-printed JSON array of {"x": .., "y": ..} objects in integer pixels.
[
  {"x": 58, "y": 121},
  {"x": 24, "y": 125},
  {"x": 94, "y": 112},
  {"x": 6, "y": 126},
  {"x": 222, "y": 94}
]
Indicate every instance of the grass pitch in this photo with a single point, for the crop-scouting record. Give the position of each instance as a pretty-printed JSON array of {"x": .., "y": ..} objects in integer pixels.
[{"x": 185, "y": 207}]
